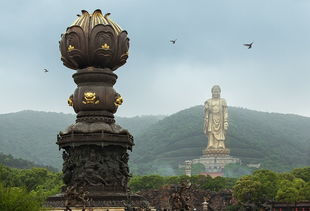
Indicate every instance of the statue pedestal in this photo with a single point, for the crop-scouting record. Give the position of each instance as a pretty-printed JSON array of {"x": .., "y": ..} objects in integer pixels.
[
  {"x": 99, "y": 201},
  {"x": 215, "y": 152},
  {"x": 215, "y": 160},
  {"x": 93, "y": 209}
]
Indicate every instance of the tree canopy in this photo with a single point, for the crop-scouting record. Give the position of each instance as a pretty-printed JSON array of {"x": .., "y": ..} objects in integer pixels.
[{"x": 264, "y": 185}]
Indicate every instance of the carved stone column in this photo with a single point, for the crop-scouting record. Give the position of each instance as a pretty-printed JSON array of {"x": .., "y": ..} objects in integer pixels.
[{"x": 95, "y": 168}]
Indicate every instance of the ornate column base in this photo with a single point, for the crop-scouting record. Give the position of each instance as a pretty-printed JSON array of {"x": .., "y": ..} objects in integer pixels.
[{"x": 99, "y": 200}]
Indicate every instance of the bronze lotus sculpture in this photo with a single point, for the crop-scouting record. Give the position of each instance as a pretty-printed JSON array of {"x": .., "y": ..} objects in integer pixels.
[
  {"x": 95, "y": 168},
  {"x": 94, "y": 40}
]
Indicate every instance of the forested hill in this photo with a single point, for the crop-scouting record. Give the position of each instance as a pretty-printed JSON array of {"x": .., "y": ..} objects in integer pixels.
[
  {"x": 277, "y": 141},
  {"x": 31, "y": 135},
  {"x": 10, "y": 161}
]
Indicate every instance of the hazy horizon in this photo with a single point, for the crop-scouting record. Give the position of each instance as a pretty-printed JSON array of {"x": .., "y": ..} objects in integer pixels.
[{"x": 116, "y": 114}]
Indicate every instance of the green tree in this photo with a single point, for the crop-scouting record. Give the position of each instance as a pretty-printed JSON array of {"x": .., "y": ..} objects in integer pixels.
[
  {"x": 286, "y": 176},
  {"x": 257, "y": 188},
  {"x": 7, "y": 176},
  {"x": 31, "y": 178},
  {"x": 17, "y": 199},
  {"x": 138, "y": 183},
  {"x": 39, "y": 182},
  {"x": 269, "y": 181},
  {"x": 305, "y": 192},
  {"x": 50, "y": 186},
  {"x": 146, "y": 182},
  {"x": 248, "y": 190},
  {"x": 303, "y": 173},
  {"x": 290, "y": 191},
  {"x": 265, "y": 185},
  {"x": 172, "y": 180}
]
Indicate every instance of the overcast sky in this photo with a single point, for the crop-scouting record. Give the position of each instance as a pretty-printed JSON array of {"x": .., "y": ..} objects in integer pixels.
[{"x": 159, "y": 77}]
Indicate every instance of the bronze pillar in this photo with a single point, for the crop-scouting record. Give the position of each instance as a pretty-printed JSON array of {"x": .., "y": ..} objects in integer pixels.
[{"x": 95, "y": 168}]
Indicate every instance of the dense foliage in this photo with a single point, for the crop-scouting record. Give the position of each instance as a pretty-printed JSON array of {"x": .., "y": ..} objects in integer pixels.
[
  {"x": 18, "y": 199},
  {"x": 28, "y": 187},
  {"x": 138, "y": 183},
  {"x": 257, "y": 189},
  {"x": 264, "y": 185}
]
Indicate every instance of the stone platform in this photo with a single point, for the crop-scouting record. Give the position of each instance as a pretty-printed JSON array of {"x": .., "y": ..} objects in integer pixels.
[
  {"x": 90, "y": 209},
  {"x": 215, "y": 160},
  {"x": 99, "y": 201},
  {"x": 94, "y": 209}
]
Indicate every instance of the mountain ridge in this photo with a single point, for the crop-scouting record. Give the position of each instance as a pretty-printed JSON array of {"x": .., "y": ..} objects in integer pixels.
[
  {"x": 32, "y": 135},
  {"x": 278, "y": 141}
]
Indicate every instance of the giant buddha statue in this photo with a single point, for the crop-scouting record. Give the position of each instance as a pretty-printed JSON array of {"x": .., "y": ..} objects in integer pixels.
[{"x": 215, "y": 121}]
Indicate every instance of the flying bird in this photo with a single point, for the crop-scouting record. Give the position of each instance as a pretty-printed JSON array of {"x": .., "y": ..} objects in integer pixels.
[
  {"x": 173, "y": 41},
  {"x": 45, "y": 70},
  {"x": 249, "y": 45},
  {"x": 78, "y": 15}
]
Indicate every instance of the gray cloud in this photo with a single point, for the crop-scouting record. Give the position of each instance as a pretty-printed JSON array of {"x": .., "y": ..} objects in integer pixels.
[{"x": 160, "y": 78}]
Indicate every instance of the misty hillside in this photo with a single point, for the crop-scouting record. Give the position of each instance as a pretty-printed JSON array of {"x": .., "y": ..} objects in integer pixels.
[
  {"x": 277, "y": 141},
  {"x": 31, "y": 135},
  {"x": 10, "y": 161}
]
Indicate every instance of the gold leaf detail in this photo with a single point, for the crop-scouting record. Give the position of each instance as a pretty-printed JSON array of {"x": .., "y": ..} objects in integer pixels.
[
  {"x": 118, "y": 100},
  {"x": 90, "y": 98},
  {"x": 105, "y": 46},
  {"x": 70, "y": 101},
  {"x": 70, "y": 48}
]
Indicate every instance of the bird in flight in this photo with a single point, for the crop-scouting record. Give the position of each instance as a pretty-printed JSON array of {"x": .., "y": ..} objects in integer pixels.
[
  {"x": 173, "y": 41},
  {"x": 45, "y": 70},
  {"x": 249, "y": 45}
]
